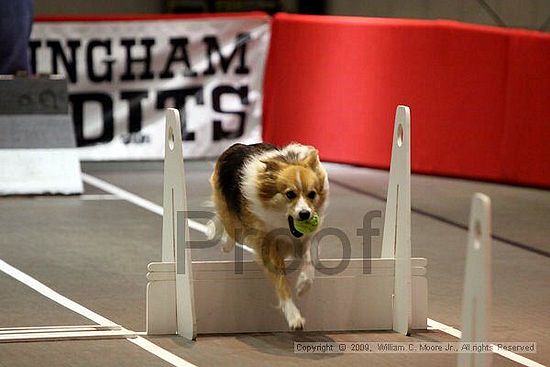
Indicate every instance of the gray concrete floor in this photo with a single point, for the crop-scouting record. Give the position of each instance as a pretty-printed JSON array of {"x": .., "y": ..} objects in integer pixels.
[{"x": 96, "y": 251}]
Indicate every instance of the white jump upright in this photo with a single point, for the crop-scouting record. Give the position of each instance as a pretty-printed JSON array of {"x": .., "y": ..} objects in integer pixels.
[
  {"x": 396, "y": 242},
  {"x": 476, "y": 300},
  {"x": 170, "y": 304},
  {"x": 214, "y": 297}
]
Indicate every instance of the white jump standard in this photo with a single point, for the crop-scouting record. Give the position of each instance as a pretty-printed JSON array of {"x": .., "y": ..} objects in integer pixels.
[
  {"x": 188, "y": 297},
  {"x": 476, "y": 300}
]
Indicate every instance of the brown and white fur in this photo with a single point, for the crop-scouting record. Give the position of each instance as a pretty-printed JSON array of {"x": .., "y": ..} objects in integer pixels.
[{"x": 259, "y": 191}]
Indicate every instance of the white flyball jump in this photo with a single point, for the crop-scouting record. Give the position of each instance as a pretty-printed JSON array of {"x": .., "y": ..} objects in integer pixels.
[
  {"x": 188, "y": 297},
  {"x": 38, "y": 153},
  {"x": 476, "y": 300}
]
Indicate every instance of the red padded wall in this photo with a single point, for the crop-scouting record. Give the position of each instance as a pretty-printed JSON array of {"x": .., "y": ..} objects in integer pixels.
[{"x": 480, "y": 96}]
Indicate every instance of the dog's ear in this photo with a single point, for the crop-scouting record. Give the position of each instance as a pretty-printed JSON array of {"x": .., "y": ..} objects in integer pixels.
[
  {"x": 312, "y": 159},
  {"x": 274, "y": 164}
]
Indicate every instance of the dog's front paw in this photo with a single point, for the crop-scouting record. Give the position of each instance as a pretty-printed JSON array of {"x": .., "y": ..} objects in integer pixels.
[
  {"x": 293, "y": 316},
  {"x": 297, "y": 324}
]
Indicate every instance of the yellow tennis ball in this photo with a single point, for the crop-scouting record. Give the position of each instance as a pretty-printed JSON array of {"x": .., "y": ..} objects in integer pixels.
[{"x": 307, "y": 226}]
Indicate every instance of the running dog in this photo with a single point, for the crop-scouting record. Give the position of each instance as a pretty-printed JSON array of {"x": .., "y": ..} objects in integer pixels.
[{"x": 259, "y": 192}]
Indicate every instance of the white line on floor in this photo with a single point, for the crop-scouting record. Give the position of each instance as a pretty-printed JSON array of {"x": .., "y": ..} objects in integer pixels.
[
  {"x": 141, "y": 202},
  {"x": 128, "y": 196},
  {"x": 94, "y": 197},
  {"x": 58, "y": 335},
  {"x": 86, "y": 197},
  {"x": 160, "y": 352},
  {"x": 134, "y": 199},
  {"x": 506, "y": 354},
  {"x": 89, "y": 314},
  {"x": 53, "y": 295}
]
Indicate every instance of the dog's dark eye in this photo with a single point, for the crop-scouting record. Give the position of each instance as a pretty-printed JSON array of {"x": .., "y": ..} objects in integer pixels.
[
  {"x": 290, "y": 194},
  {"x": 311, "y": 195}
]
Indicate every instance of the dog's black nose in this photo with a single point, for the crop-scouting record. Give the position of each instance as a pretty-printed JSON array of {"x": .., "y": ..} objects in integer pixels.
[{"x": 304, "y": 214}]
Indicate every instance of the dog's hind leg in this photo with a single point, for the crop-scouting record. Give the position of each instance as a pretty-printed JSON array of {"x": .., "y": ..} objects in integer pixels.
[
  {"x": 227, "y": 242},
  {"x": 307, "y": 273}
]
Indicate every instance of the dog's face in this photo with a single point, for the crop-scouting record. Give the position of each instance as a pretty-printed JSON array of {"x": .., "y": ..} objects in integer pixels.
[{"x": 294, "y": 191}]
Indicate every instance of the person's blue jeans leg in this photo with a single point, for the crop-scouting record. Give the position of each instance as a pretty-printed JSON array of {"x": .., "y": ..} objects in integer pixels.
[{"x": 15, "y": 29}]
